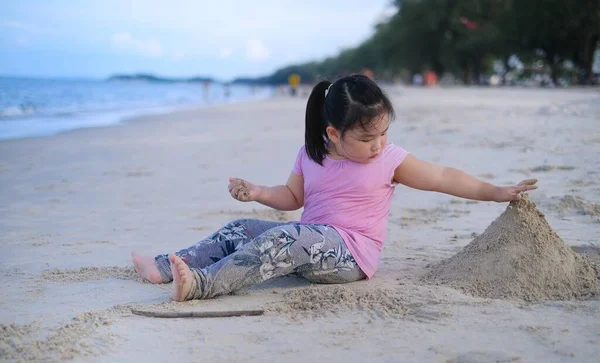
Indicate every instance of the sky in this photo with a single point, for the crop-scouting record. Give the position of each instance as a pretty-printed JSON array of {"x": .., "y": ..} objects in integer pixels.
[{"x": 177, "y": 38}]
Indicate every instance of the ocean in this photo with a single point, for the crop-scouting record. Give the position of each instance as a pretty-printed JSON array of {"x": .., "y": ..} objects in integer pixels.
[{"x": 40, "y": 107}]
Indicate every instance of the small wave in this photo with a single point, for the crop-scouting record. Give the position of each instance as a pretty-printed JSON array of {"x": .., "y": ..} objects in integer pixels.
[
  {"x": 20, "y": 111},
  {"x": 39, "y": 107}
]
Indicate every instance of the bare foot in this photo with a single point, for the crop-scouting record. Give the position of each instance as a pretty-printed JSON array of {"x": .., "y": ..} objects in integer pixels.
[
  {"x": 182, "y": 278},
  {"x": 146, "y": 267}
]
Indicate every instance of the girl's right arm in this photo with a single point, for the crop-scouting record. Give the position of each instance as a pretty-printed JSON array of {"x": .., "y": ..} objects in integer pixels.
[{"x": 286, "y": 197}]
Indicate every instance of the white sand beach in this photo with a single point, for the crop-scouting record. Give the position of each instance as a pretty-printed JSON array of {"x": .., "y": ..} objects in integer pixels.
[{"x": 73, "y": 206}]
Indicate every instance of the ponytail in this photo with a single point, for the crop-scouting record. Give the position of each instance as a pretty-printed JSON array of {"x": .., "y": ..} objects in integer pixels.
[{"x": 316, "y": 123}]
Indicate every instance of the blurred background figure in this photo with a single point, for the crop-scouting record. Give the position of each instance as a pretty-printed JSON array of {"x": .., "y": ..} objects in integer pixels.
[
  {"x": 430, "y": 78},
  {"x": 294, "y": 82},
  {"x": 227, "y": 91},
  {"x": 417, "y": 79},
  {"x": 206, "y": 85},
  {"x": 368, "y": 72}
]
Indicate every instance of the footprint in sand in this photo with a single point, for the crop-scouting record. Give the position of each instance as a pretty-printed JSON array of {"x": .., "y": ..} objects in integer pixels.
[
  {"x": 547, "y": 168},
  {"x": 80, "y": 243},
  {"x": 571, "y": 204},
  {"x": 583, "y": 183},
  {"x": 487, "y": 176},
  {"x": 420, "y": 216},
  {"x": 90, "y": 273},
  {"x": 139, "y": 173},
  {"x": 489, "y": 356}
]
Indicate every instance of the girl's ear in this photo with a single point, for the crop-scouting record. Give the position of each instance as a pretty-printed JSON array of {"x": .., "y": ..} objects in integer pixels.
[{"x": 333, "y": 134}]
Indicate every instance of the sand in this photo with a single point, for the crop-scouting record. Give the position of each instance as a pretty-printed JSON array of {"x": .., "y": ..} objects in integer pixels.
[
  {"x": 575, "y": 204},
  {"x": 322, "y": 301},
  {"x": 82, "y": 336},
  {"x": 90, "y": 273},
  {"x": 75, "y": 205},
  {"x": 519, "y": 256}
]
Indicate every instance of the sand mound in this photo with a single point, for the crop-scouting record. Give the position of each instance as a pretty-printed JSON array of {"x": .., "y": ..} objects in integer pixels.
[
  {"x": 322, "y": 301},
  {"x": 519, "y": 256}
]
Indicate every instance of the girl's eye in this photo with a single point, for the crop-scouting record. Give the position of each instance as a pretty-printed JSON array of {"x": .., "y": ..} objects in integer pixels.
[{"x": 366, "y": 140}]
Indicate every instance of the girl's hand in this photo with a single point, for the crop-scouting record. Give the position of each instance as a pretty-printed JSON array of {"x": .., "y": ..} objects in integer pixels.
[
  {"x": 507, "y": 194},
  {"x": 243, "y": 191}
]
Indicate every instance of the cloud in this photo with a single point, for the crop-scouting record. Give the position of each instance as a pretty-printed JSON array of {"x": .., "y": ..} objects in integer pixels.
[
  {"x": 178, "y": 56},
  {"x": 226, "y": 52},
  {"x": 256, "y": 50},
  {"x": 147, "y": 47},
  {"x": 24, "y": 33},
  {"x": 22, "y": 40},
  {"x": 19, "y": 26}
]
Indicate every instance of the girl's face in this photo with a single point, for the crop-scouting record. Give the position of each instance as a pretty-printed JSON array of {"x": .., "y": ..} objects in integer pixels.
[{"x": 358, "y": 144}]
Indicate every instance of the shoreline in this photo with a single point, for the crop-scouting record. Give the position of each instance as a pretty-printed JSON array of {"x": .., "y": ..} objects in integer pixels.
[
  {"x": 45, "y": 125},
  {"x": 165, "y": 112}
]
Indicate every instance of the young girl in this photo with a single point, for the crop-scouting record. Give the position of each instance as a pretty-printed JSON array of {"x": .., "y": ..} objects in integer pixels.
[{"x": 344, "y": 177}]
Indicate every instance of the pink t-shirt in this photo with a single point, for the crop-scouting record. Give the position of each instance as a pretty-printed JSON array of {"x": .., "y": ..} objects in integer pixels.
[{"x": 353, "y": 198}]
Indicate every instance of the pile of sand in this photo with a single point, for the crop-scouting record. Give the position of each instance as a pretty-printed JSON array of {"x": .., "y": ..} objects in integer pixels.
[
  {"x": 326, "y": 300},
  {"x": 519, "y": 256}
]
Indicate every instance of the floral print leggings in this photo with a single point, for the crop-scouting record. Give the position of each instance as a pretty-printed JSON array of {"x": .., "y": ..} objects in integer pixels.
[{"x": 248, "y": 251}]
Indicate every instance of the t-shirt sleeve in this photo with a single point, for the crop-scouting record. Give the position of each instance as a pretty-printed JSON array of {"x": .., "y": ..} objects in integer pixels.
[
  {"x": 297, "y": 169},
  {"x": 395, "y": 155}
]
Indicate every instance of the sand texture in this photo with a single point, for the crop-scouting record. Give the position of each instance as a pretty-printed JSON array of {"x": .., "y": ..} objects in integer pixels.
[{"x": 459, "y": 280}]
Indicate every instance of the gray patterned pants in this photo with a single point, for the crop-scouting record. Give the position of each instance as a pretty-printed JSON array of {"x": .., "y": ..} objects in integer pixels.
[{"x": 248, "y": 251}]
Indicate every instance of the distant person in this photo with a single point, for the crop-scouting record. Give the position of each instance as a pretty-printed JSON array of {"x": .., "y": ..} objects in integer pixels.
[
  {"x": 417, "y": 79},
  {"x": 226, "y": 91},
  {"x": 294, "y": 82},
  {"x": 206, "y": 85},
  {"x": 368, "y": 73},
  {"x": 431, "y": 78},
  {"x": 344, "y": 176}
]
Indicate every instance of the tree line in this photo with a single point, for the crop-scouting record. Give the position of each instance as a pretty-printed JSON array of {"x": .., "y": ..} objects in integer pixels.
[{"x": 466, "y": 38}]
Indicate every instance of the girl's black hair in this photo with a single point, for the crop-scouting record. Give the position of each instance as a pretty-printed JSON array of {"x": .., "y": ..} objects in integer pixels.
[{"x": 349, "y": 102}]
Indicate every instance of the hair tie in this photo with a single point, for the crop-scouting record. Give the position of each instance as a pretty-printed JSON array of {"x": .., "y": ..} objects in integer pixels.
[{"x": 327, "y": 90}]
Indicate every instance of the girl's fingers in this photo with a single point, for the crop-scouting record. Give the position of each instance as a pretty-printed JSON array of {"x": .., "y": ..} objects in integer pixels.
[
  {"x": 528, "y": 182},
  {"x": 235, "y": 191},
  {"x": 240, "y": 192},
  {"x": 232, "y": 186},
  {"x": 235, "y": 183},
  {"x": 524, "y": 188}
]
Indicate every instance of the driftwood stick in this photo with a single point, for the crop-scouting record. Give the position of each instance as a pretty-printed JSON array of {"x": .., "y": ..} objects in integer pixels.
[{"x": 197, "y": 314}]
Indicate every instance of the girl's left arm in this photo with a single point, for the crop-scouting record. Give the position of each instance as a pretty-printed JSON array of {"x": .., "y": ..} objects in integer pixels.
[{"x": 422, "y": 175}]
